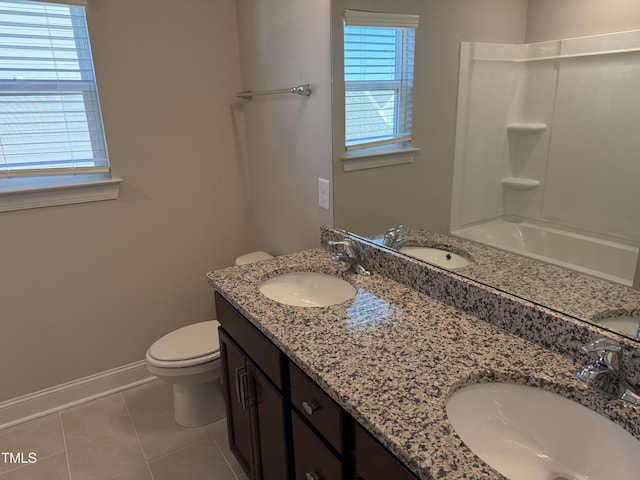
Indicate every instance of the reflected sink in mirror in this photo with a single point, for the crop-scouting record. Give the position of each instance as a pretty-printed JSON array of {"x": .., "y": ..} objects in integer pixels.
[
  {"x": 437, "y": 256},
  {"x": 527, "y": 433},
  {"x": 307, "y": 289}
]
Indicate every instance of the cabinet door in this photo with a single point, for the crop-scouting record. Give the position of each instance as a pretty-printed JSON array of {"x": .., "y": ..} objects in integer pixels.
[
  {"x": 235, "y": 379},
  {"x": 374, "y": 462},
  {"x": 255, "y": 415},
  {"x": 270, "y": 437}
]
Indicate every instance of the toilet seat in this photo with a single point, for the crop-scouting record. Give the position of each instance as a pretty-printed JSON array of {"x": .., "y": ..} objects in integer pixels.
[{"x": 188, "y": 346}]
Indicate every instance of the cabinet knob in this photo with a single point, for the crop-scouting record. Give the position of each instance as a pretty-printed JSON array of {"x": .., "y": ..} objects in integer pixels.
[
  {"x": 311, "y": 476},
  {"x": 310, "y": 407}
]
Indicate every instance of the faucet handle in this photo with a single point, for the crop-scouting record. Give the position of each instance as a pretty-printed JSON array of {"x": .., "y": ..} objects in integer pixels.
[
  {"x": 347, "y": 242},
  {"x": 350, "y": 255},
  {"x": 609, "y": 365},
  {"x": 602, "y": 345},
  {"x": 609, "y": 353}
]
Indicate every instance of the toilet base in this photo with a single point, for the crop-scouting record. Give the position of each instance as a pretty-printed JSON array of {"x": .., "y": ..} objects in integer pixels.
[{"x": 195, "y": 405}]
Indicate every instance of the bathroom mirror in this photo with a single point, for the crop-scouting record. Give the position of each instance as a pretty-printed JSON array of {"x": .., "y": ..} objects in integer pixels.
[{"x": 426, "y": 194}]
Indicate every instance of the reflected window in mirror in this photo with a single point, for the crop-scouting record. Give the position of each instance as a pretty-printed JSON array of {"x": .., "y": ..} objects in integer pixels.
[{"x": 378, "y": 73}]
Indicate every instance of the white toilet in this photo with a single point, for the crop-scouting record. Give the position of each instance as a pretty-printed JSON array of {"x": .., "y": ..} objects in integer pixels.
[
  {"x": 189, "y": 359},
  {"x": 252, "y": 257}
]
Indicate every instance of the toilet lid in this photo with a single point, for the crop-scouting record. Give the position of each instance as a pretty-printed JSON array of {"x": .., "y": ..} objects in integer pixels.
[{"x": 188, "y": 342}]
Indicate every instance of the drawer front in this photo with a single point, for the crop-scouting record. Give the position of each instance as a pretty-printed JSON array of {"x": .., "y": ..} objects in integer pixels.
[
  {"x": 251, "y": 340},
  {"x": 317, "y": 407},
  {"x": 313, "y": 460},
  {"x": 375, "y": 462}
]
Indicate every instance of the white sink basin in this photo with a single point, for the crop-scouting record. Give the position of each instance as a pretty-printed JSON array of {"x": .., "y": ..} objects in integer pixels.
[
  {"x": 437, "y": 256},
  {"x": 528, "y": 433},
  {"x": 307, "y": 289},
  {"x": 624, "y": 324}
]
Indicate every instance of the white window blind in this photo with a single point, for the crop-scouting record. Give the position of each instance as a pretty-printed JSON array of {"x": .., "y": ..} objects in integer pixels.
[
  {"x": 379, "y": 50},
  {"x": 50, "y": 120}
]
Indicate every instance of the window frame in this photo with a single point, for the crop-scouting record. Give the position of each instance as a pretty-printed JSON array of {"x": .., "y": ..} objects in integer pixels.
[{"x": 25, "y": 189}]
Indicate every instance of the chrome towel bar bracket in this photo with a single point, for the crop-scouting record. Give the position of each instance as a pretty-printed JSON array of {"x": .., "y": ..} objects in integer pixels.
[{"x": 299, "y": 90}]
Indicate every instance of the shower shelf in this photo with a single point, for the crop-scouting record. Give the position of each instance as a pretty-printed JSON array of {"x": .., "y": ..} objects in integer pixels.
[
  {"x": 518, "y": 183},
  {"x": 526, "y": 127}
]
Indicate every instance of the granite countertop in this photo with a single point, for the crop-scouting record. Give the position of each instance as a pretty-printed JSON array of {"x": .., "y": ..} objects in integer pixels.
[
  {"x": 540, "y": 282},
  {"x": 564, "y": 290},
  {"x": 392, "y": 356}
]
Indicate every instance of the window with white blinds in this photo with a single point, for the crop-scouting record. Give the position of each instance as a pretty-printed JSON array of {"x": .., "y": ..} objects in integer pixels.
[
  {"x": 50, "y": 120},
  {"x": 378, "y": 73}
]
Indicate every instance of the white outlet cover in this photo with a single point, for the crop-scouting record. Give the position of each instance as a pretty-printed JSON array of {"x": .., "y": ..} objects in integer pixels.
[{"x": 323, "y": 193}]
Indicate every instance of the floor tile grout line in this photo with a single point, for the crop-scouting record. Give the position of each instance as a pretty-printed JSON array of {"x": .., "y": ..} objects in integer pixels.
[
  {"x": 183, "y": 447},
  {"x": 25, "y": 466},
  {"x": 64, "y": 440},
  {"x": 91, "y": 440},
  {"x": 135, "y": 429},
  {"x": 39, "y": 458},
  {"x": 66, "y": 429},
  {"x": 221, "y": 453}
]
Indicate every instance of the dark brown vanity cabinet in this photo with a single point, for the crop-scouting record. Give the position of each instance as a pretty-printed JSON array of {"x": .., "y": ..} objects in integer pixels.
[
  {"x": 255, "y": 405},
  {"x": 282, "y": 426},
  {"x": 375, "y": 462}
]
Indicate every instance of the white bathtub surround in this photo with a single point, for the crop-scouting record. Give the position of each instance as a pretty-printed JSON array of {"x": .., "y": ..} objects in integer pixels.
[
  {"x": 546, "y": 134},
  {"x": 610, "y": 259}
]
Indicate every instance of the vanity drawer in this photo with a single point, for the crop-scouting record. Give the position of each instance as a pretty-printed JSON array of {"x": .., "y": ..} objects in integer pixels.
[
  {"x": 251, "y": 340},
  {"x": 313, "y": 460},
  {"x": 316, "y": 407}
]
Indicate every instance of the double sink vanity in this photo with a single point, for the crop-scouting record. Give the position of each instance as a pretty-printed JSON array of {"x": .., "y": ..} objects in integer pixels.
[{"x": 411, "y": 372}]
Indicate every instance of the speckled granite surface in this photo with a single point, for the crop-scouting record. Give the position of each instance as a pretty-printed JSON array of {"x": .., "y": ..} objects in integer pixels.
[
  {"x": 392, "y": 355},
  {"x": 560, "y": 333},
  {"x": 564, "y": 290}
]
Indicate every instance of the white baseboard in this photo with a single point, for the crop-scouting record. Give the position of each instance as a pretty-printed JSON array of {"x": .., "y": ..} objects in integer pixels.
[{"x": 54, "y": 399}]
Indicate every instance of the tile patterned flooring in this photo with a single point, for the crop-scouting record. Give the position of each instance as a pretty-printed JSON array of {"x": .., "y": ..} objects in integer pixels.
[{"x": 130, "y": 435}]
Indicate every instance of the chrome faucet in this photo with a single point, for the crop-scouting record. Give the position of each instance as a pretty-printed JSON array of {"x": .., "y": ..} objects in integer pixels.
[
  {"x": 392, "y": 238},
  {"x": 350, "y": 256},
  {"x": 606, "y": 372}
]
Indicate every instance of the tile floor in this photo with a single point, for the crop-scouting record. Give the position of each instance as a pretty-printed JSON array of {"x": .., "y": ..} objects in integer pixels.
[{"x": 129, "y": 435}]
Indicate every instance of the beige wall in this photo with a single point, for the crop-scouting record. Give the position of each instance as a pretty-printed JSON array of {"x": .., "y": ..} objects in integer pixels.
[
  {"x": 89, "y": 287},
  {"x": 285, "y": 43},
  {"x": 553, "y": 19},
  {"x": 369, "y": 201}
]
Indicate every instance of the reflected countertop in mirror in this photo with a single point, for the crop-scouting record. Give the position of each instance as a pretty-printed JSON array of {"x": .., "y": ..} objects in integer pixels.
[{"x": 566, "y": 291}]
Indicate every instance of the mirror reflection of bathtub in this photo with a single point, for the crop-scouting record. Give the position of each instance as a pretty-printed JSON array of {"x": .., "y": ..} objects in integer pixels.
[
  {"x": 545, "y": 137},
  {"x": 611, "y": 260}
]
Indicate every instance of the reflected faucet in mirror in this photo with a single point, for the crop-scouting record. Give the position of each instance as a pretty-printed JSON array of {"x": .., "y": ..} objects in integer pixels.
[{"x": 393, "y": 238}]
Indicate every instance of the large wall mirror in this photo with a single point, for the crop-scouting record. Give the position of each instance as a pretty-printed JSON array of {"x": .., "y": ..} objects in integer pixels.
[{"x": 524, "y": 130}]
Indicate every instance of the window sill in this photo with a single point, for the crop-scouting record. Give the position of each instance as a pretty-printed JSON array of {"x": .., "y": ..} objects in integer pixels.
[
  {"x": 22, "y": 194},
  {"x": 377, "y": 157}
]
